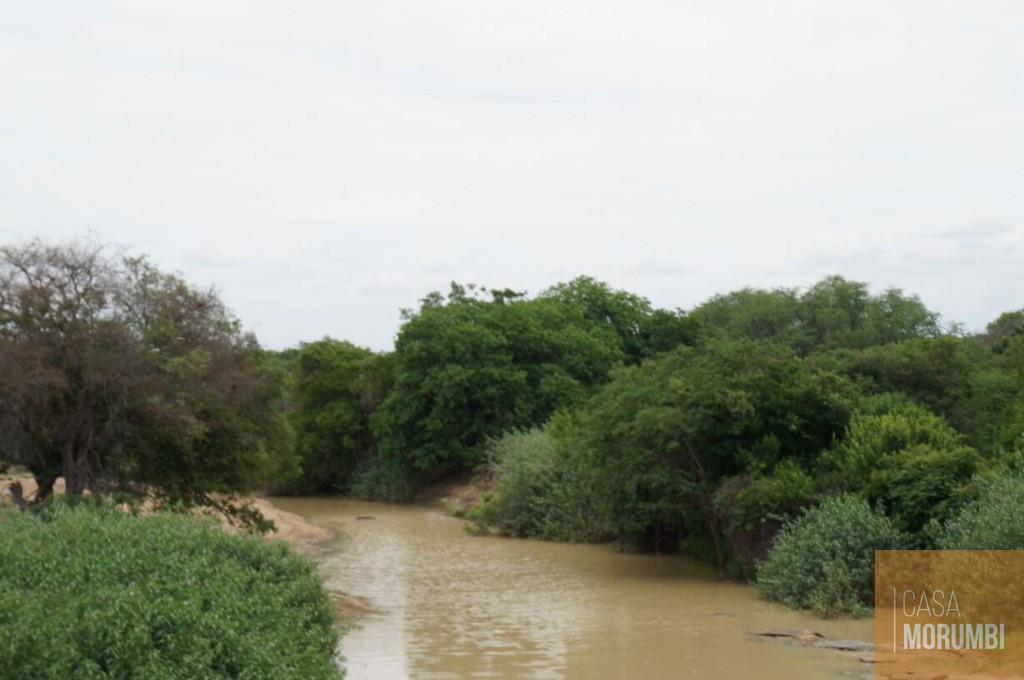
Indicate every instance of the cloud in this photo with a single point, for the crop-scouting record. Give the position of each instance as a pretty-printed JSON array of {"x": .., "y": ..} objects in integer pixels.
[
  {"x": 326, "y": 167},
  {"x": 976, "y": 230},
  {"x": 657, "y": 262}
]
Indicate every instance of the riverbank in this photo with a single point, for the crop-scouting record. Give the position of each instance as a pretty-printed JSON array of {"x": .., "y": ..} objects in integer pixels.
[
  {"x": 295, "y": 530},
  {"x": 308, "y": 538},
  {"x": 300, "y": 534}
]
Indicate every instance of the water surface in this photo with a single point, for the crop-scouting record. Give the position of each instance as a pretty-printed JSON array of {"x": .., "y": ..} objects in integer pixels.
[{"x": 460, "y": 606}]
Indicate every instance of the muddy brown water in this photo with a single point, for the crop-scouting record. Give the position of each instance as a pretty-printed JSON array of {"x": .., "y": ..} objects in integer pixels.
[{"x": 460, "y": 606}]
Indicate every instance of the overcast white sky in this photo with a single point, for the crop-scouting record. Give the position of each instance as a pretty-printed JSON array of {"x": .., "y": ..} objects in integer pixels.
[{"x": 327, "y": 162}]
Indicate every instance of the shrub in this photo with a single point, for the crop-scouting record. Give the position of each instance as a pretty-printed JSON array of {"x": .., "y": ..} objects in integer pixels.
[
  {"x": 383, "y": 478},
  {"x": 995, "y": 521},
  {"x": 545, "y": 489},
  {"x": 91, "y": 592},
  {"x": 753, "y": 509},
  {"x": 882, "y": 426},
  {"x": 824, "y": 559},
  {"x": 921, "y": 487}
]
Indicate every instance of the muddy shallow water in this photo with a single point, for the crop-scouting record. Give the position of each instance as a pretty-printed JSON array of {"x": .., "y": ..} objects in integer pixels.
[{"x": 458, "y": 606}]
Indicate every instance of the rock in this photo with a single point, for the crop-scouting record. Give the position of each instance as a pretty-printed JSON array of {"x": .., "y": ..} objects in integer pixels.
[
  {"x": 804, "y": 637},
  {"x": 366, "y": 517},
  {"x": 845, "y": 645}
]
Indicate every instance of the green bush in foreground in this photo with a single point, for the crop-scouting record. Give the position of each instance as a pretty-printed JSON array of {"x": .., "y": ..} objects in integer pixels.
[
  {"x": 90, "y": 592},
  {"x": 825, "y": 559}
]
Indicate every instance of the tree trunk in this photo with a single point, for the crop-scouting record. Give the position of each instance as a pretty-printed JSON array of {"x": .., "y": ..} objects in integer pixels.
[
  {"x": 44, "y": 483},
  {"x": 707, "y": 505},
  {"x": 716, "y": 532},
  {"x": 76, "y": 470},
  {"x": 16, "y": 495}
]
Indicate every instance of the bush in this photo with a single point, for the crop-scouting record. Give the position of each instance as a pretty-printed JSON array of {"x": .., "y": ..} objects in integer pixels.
[
  {"x": 383, "y": 478},
  {"x": 545, "y": 490},
  {"x": 91, "y": 592},
  {"x": 922, "y": 487},
  {"x": 752, "y": 510},
  {"x": 882, "y": 426},
  {"x": 995, "y": 521},
  {"x": 824, "y": 560}
]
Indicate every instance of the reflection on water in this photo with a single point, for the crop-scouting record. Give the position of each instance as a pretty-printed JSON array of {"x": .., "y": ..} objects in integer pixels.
[{"x": 458, "y": 606}]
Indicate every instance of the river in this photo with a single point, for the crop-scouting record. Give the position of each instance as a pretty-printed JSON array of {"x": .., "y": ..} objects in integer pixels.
[{"x": 460, "y": 606}]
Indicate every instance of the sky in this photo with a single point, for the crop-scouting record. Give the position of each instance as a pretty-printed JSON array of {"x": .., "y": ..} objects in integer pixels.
[{"x": 326, "y": 163}]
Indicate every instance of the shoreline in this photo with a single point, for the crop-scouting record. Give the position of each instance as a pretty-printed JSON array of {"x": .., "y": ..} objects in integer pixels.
[
  {"x": 300, "y": 534},
  {"x": 307, "y": 537}
]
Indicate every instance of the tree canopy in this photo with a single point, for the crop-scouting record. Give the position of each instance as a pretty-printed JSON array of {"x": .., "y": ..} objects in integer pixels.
[
  {"x": 475, "y": 363},
  {"x": 114, "y": 373}
]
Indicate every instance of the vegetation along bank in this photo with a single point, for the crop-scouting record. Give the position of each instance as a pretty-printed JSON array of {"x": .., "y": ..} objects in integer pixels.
[{"x": 744, "y": 431}]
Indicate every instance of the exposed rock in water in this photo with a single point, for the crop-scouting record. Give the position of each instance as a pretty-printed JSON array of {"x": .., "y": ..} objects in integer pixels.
[
  {"x": 803, "y": 637},
  {"x": 810, "y": 638},
  {"x": 845, "y": 645},
  {"x": 366, "y": 517}
]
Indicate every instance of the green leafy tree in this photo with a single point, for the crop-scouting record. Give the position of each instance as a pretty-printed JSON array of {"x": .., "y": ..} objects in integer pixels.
[
  {"x": 547, "y": 485},
  {"x": 753, "y": 508},
  {"x": 905, "y": 458},
  {"x": 1001, "y": 332},
  {"x": 666, "y": 433},
  {"x": 600, "y": 306},
  {"x": 957, "y": 378},
  {"x": 469, "y": 368},
  {"x": 338, "y": 387},
  {"x": 755, "y": 314},
  {"x": 880, "y": 427},
  {"x": 833, "y": 313},
  {"x": 841, "y": 313},
  {"x": 112, "y": 373}
]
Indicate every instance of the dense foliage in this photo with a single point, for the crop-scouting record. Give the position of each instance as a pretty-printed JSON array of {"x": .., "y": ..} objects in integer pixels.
[
  {"x": 825, "y": 559},
  {"x": 592, "y": 416},
  {"x": 337, "y": 387},
  {"x": 993, "y": 521},
  {"x": 469, "y": 366},
  {"x": 92, "y": 593},
  {"x": 832, "y": 314},
  {"x": 548, "y": 487},
  {"x": 113, "y": 373}
]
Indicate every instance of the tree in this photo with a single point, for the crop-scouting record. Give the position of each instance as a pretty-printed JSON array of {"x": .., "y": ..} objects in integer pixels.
[
  {"x": 113, "y": 373},
  {"x": 667, "y": 433},
  {"x": 1004, "y": 329},
  {"x": 603, "y": 307},
  {"x": 338, "y": 387},
  {"x": 898, "y": 454},
  {"x": 833, "y": 313},
  {"x": 755, "y": 314},
  {"x": 841, "y": 313},
  {"x": 960, "y": 379},
  {"x": 468, "y": 368}
]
